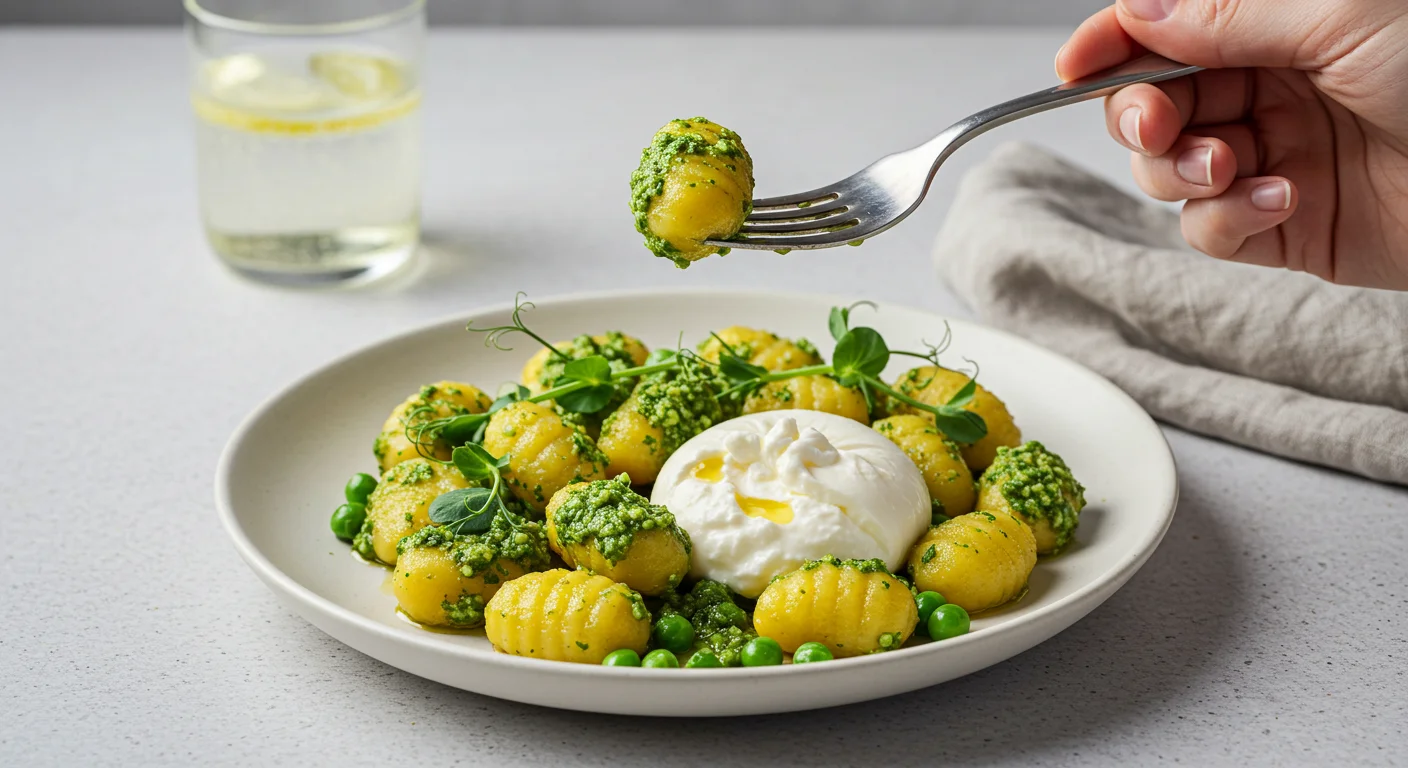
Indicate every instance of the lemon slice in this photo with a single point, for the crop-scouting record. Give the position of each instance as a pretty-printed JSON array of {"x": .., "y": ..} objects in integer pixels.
[{"x": 358, "y": 76}]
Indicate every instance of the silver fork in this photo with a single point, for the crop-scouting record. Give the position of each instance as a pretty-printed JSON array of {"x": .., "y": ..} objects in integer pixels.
[{"x": 880, "y": 196}]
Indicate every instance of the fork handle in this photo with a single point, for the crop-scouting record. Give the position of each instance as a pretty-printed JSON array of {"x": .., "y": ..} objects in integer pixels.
[{"x": 1146, "y": 69}]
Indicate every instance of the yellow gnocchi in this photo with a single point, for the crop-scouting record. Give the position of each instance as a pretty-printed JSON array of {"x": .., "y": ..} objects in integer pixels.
[
  {"x": 443, "y": 580},
  {"x": 545, "y": 455},
  {"x": 694, "y": 183},
  {"x": 976, "y": 561},
  {"x": 950, "y": 483},
  {"x": 659, "y": 416},
  {"x": 400, "y": 505},
  {"x": 606, "y": 528},
  {"x": 854, "y": 607},
  {"x": 809, "y": 393},
  {"x": 563, "y": 615},
  {"x": 1035, "y": 484},
  {"x": 433, "y": 401},
  {"x": 936, "y": 386},
  {"x": 761, "y": 348}
]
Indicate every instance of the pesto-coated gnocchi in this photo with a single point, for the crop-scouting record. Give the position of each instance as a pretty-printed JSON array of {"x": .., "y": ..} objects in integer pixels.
[
  {"x": 694, "y": 183},
  {"x": 400, "y": 505},
  {"x": 606, "y": 528},
  {"x": 935, "y": 386},
  {"x": 620, "y": 351},
  {"x": 809, "y": 393},
  {"x": 662, "y": 413},
  {"x": 432, "y": 401},
  {"x": 950, "y": 484},
  {"x": 1036, "y": 485},
  {"x": 853, "y": 607},
  {"x": 545, "y": 455},
  {"x": 761, "y": 348},
  {"x": 563, "y": 615},
  {"x": 976, "y": 561},
  {"x": 443, "y": 580}
]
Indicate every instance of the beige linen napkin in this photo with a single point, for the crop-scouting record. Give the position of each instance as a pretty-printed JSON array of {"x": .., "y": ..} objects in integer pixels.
[{"x": 1278, "y": 361}]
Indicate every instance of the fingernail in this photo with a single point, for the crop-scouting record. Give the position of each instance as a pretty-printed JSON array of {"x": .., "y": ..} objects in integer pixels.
[
  {"x": 1149, "y": 10},
  {"x": 1129, "y": 126},
  {"x": 1273, "y": 196},
  {"x": 1195, "y": 166}
]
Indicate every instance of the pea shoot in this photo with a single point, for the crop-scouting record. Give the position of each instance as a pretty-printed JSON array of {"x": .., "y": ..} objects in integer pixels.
[{"x": 860, "y": 357}]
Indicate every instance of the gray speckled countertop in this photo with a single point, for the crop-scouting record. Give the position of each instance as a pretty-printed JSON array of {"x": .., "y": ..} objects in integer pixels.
[{"x": 1268, "y": 629}]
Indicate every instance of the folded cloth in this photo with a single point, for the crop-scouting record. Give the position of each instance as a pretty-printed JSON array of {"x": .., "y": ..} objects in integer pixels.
[{"x": 1274, "y": 360}]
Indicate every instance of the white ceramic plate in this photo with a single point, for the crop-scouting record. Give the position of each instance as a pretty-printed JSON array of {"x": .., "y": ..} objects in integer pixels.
[{"x": 283, "y": 471}]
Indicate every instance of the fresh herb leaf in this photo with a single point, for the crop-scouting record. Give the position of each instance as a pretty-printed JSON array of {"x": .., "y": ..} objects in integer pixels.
[
  {"x": 474, "y": 462},
  {"x": 964, "y": 395},
  {"x": 463, "y": 429},
  {"x": 738, "y": 370},
  {"x": 588, "y": 399},
  {"x": 837, "y": 322},
  {"x": 860, "y": 353},
  {"x": 465, "y": 510},
  {"x": 593, "y": 370},
  {"x": 960, "y": 425}
]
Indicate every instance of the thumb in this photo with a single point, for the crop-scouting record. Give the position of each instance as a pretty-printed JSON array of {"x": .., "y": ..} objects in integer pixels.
[{"x": 1241, "y": 33}]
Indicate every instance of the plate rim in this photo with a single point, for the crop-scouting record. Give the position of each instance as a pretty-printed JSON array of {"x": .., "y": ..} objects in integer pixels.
[{"x": 1113, "y": 578}]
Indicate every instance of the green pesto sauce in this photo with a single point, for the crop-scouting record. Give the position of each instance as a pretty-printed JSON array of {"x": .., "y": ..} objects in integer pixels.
[
  {"x": 656, "y": 161},
  {"x": 681, "y": 403},
  {"x": 362, "y": 542},
  {"x": 467, "y": 611},
  {"x": 607, "y": 514},
  {"x": 719, "y": 623},
  {"x": 522, "y": 543},
  {"x": 584, "y": 447},
  {"x": 873, "y": 565},
  {"x": 410, "y": 472},
  {"x": 1038, "y": 485}
]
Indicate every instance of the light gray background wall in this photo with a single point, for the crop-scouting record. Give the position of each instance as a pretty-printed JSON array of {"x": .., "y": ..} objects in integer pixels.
[{"x": 641, "y": 12}]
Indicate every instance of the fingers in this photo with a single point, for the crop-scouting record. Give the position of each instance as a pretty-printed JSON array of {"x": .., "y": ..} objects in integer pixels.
[
  {"x": 1099, "y": 43},
  {"x": 1194, "y": 167},
  {"x": 1239, "y": 224}
]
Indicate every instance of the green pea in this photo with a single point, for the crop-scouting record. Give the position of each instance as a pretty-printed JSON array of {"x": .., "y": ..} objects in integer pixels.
[
  {"x": 762, "y": 652},
  {"x": 673, "y": 633},
  {"x": 948, "y": 620},
  {"x": 703, "y": 659},
  {"x": 622, "y": 658},
  {"x": 359, "y": 488},
  {"x": 347, "y": 520},
  {"x": 927, "y": 602},
  {"x": 660, "y": 659},
  {"x": 807, "y": 653}
]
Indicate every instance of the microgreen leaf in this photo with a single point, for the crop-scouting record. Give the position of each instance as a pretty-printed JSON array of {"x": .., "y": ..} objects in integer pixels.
[
  {"x": 660, "y": 356},
  {"x": 738, "y": 370},
  {"x": 964, "y": 395},
  {"x": 462, "y": 429},
  {"x": 861, "y": 352},
  {"x": 586, "y": 400},
  {"x": 465, "y": 510},
  {"x": 960, "y": 425},
  {"x": 474, "y": 462},
  {"x": 837, "y": 322},
  {"x": 593, "y": 370}
]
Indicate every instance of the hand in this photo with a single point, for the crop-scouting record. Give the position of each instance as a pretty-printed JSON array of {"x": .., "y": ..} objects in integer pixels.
[{"x": 1292, "y": 149}]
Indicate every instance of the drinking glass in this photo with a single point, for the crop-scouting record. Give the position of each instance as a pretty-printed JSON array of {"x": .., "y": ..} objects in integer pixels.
[{"x": 308, "y": 135}]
